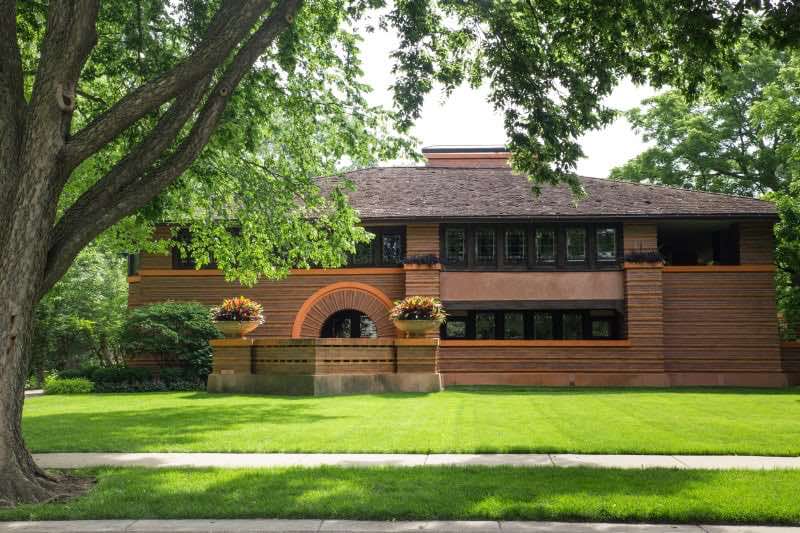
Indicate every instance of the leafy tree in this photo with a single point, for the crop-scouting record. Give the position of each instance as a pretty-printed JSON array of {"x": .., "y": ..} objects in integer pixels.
[
  {"x": 172, "y": 331},
  {"x": 213, "y": 112},
  {"x": 79, "y": 320},
  {"x": 739, "y": 137}
]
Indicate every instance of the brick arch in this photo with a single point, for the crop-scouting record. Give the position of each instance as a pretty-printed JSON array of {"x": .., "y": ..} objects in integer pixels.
[{"x": 338, "y": 297}]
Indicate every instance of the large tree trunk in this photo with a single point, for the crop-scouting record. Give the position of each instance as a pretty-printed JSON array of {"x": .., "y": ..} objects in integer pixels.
[
  {"x": 20, "y": 479},
  {"x": 21, "y": 267}
]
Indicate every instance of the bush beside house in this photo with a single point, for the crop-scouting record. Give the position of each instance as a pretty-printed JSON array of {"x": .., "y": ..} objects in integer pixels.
[{"x": 177, "y": 334}]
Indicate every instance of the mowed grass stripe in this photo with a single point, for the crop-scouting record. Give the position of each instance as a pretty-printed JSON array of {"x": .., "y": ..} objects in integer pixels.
[
  {"x": 502, "y": 493},
  {"x": 493, "y": 420}
]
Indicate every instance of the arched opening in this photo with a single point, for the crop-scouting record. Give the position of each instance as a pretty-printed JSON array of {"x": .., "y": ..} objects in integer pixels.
[
  {"x": 316, "y": 316},
  {"x": 349, "y": 324}
]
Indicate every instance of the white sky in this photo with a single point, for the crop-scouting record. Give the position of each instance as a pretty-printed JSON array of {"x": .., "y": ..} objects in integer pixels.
[{"x": 467, "y": 118}]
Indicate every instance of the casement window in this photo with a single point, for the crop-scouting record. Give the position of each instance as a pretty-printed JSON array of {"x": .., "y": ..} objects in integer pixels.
[
  {"x": 485, "y": 325},
  {"x": 485, "y": 247},
  {"x": 534, "y": 246},
  {"x": 455, "y": 246},
  {"x": 392, "y": 247},
  {"x": 546, "y": 245},
  {"x": 349, "y": 324},
  {"x": 514, "y": 325},
  {"x": 516, "y": 247},
  {"x": 456, "y": 326},
  {"x": 572, "y": 325},
  {"x": 603, "y": 324},
  {"x": 386, "y": 249},
  {"x": 567, "y": 324},
  {"x": 543, "y": 326},
  {"x": 606, "y": 243},
  {"x": 576, "y": 244},
  {"x": 363, "y": 255}
]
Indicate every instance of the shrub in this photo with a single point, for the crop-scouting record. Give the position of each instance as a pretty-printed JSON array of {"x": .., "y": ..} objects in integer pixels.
[
  {"x": 152, "y": 386},
  {"x": 419, "y": 308},
  {"x": 56, "y": 385},
  {"x": 428, "y": 259},
  {"x": 121, "y": 375},
  {"x": 173, "y": 332},
  {"x": 171, "y": 375},
  {"x": 239, "y": 309}
]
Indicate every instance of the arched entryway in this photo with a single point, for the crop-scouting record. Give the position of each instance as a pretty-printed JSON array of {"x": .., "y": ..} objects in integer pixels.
[
  {"x": 343, "y": 296},
  {"x": 349, "y": 324}
]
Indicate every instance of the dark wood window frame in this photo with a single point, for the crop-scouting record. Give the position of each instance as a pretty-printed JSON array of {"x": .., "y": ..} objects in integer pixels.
[
  {"x": 376, "y": 247},
  {"x": 532, "y": 261},
  {"x": 614, "y": 320}
]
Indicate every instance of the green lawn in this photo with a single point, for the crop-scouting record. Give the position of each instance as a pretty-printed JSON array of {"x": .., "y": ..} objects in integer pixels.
[
  {"x": 656, "y": 495},
  {"x": 756, "y": 422}
]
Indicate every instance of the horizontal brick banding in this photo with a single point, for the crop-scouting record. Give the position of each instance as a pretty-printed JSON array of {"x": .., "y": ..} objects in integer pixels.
[{"x": 720, "y": 322}]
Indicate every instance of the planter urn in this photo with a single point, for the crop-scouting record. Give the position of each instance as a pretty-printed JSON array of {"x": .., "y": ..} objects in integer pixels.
[
  {"x": 416, "y": 328},
  {"x": 234, "y": 329}
]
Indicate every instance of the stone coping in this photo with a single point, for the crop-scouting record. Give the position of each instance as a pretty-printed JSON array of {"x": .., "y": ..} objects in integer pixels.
[{"x": 287, "y": 341}]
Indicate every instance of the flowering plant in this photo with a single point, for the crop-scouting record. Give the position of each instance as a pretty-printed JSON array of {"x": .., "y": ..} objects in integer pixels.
[
  {"x": 239, "y": 309},
  {"x": 419, "y": 308}
]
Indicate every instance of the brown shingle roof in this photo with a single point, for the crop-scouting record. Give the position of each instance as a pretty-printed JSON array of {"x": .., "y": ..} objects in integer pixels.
[{"x": 496, "y": 193}]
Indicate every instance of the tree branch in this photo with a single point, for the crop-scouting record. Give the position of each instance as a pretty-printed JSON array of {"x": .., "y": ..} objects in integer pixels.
[
  {"x": 231, "y": 24},
  {"x": 130, "y": 168},
  {"x": 79, "y": 230}
]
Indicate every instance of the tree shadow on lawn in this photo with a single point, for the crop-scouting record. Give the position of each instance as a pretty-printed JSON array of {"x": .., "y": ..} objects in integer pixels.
[
  {"x": 419, "y": 493},
  {"x": 134, "y": 430}
]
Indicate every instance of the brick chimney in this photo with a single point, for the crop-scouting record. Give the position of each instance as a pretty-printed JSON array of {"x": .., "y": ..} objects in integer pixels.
[{"x": 467, "y": 156}]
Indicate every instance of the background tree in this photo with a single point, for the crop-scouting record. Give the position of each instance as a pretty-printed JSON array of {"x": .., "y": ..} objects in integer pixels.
[
  {"x": 79, "y": 322},
  {"x": 217, "y": 112},
  {"x": 739, "y": 136}
]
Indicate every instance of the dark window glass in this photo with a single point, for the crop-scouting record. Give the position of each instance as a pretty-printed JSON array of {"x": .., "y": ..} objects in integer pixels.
[
  {"x": 484, "y": 326},
  {"x": 392, "y": 246},
  {"x": 484, "y": 246},
  {"x": 543, "y": 325},
  {"x": 340, "y": 325},
  {"x": 606, "y": 244},
  {"x": 516, "y": 249},
  {"x": 454, "y": 245},
  {"x": 349, "y": 324},
  {"x": 576, "y": 244},
  {"x": 456, "y": 329},
  {"x": 546, "y": 245},
  {"x": 514, "y": 325},
  {"x": 601, "y": 329},
  {"x": 572, "y": 324},
  {"x": 133, "y": 264},
  {"x": 363, "y": 255}
]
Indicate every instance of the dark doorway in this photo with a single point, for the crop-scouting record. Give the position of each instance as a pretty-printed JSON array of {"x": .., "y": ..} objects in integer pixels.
[{"x": 349, "y": 324}]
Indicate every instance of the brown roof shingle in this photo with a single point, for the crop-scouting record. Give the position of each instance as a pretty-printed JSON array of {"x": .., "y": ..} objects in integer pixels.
[{"x": 497, "y": 193}]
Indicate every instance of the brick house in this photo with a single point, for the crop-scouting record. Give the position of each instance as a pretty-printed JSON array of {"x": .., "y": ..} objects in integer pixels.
[{"x": 541, "y": 290}]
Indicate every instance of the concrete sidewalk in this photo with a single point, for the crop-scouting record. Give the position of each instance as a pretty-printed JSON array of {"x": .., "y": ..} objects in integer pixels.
[
  {"x": 340, "y": 526},
  {"x": 264, "y": 460}
]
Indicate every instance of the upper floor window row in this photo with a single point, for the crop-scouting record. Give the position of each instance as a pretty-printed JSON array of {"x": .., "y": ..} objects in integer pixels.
[
  {"x": 523, "y": 246},
  {"x": 388, "y": 248}
]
